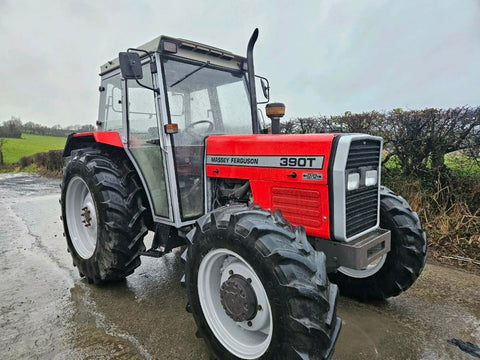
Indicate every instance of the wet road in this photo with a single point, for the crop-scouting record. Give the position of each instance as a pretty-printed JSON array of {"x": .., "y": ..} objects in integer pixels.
[{"x": 48, "y": 312}]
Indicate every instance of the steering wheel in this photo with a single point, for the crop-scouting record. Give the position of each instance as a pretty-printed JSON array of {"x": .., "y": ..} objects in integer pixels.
[{"x": 190, "y": 129}]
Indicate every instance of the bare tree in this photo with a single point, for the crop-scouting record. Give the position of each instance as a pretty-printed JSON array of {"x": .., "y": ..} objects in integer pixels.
[{"x": 421, "y": 138}]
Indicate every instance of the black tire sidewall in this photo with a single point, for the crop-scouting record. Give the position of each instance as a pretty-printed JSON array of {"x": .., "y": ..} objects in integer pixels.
[
  {"x": 121, "y": 214},
  {"x": 76, "y": 168}
]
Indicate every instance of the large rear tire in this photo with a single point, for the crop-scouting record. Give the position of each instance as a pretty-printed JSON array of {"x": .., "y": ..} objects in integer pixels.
[
  {"x": 396, "y": 271},
  {"x": 103, "y": 214},
  {"x": 257, "y": 289}
]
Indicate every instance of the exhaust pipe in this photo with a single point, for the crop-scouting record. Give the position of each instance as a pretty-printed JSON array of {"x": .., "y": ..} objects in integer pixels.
[{"x": 251, "y": 81}]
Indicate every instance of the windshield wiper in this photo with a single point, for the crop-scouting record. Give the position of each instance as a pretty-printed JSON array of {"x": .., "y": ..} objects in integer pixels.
[{"x": 190, "y": 73}]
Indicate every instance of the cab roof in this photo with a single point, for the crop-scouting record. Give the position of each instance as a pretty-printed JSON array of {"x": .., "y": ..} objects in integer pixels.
[{"x": 186, "y": 49}]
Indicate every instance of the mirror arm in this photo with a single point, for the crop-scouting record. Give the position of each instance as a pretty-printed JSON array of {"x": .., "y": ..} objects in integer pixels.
[
  {"x": 150, "y": 54},
  {"x": 157, "y": 91},
  {"x": 152, "y": 61}
]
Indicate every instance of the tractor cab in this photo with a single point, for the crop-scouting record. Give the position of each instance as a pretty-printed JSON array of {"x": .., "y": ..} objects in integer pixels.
[{"x": 163, "y": 99}]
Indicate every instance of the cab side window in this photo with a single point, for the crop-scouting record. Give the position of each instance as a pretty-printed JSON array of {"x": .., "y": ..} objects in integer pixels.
[{"x": 110, "y": 109}]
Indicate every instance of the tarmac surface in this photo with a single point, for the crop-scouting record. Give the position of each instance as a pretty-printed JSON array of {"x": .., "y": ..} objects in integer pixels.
[{"x": 48, "y": 312}]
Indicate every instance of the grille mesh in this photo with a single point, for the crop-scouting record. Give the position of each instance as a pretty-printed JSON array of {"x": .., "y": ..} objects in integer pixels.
[
  {"x": 363, "y": 153},
  {"x": 361, "y": 205},
  {"x": 299, "y": 206}
]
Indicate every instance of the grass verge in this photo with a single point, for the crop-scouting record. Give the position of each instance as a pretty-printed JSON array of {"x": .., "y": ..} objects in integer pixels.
[{"x": 14, "y": 149}]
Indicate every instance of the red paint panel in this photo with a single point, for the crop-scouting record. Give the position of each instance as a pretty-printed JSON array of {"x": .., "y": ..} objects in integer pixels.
[
  {"x": 264, "y": 144},
  {"x": 296, "y": 207},
  {"x": 104, "y": 137},
  {"x": 302, "y": 202}
]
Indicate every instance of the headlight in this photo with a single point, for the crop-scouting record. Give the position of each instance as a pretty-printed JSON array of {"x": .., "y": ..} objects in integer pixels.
[
  {"x": 353, "y": 181},
  {"x": 371, "y": 177}
]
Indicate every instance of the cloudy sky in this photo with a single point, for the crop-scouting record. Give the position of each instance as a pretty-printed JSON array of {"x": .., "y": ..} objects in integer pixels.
[{"x": 321, "y": 57}]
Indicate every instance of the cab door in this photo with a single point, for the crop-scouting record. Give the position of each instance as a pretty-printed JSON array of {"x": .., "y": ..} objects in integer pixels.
[{"x": 144, "y": 140}]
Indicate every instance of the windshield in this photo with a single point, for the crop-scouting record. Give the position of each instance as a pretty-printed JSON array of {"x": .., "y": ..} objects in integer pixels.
[{"x": 204, "y": 100}]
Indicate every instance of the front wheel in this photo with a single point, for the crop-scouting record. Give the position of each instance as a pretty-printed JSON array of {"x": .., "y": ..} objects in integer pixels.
[
  {"x": 396, "y": 271},
  {"x": 257, "y": 289}
]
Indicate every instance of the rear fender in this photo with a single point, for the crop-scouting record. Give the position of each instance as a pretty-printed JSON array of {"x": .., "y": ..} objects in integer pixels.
[{"x": 81, "y": 140}]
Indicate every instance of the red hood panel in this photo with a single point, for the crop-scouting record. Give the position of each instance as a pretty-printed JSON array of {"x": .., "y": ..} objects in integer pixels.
[
  {"x": 267, "y": 144},
  {"x": 286, "y": 172}
]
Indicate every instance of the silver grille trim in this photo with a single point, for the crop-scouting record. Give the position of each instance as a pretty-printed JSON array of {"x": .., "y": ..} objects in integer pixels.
[{"x": 338, "y": 186}]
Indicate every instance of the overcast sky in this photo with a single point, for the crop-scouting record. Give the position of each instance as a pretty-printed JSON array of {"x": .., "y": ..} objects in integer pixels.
[{"x": 321, "y": 57}]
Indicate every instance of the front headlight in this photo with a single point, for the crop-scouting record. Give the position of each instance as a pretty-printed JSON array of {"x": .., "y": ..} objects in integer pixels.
[
  {"x": 371, "y": 177},
  {"x": 353, "y": 181}
]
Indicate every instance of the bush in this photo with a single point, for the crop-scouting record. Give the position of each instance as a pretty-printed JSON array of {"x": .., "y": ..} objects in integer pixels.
[
  {"x": 449, "y": 214},
  {"x": 41, "y": 159},
  {"x": 54, "y": 160},
  {"x": 50, "y": 162},
  {"x": 418, "y": 139},
  {"x": 26, "y": 160}
]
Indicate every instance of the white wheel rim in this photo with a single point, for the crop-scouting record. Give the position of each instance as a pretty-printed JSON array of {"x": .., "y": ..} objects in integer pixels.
[
  {"x": 81, "y": 216},
  {"x": 240, "y": 339},
  {"x": 370, "y": 270}
]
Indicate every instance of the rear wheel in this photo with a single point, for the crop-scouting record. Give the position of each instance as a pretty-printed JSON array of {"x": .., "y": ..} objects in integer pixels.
[
  {"x": 257, "y": 289},
  {"x": 396, "y": 271},
  {"x": 103, "y": 214}
]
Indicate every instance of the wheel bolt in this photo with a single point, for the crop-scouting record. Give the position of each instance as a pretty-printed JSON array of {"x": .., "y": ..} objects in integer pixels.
[
  {"x": 230, "y": 272},
  {"x": 260, "y": 308},
  {"x": 249, "y": 280},
  {"x": 249, "y": 323}
]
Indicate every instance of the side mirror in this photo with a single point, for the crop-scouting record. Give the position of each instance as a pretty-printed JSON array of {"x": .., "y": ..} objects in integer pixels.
[
  {"x": 264, "y": 84},
  {"x": 265, "y": 88},
  {"x": 130, "y": 65}
]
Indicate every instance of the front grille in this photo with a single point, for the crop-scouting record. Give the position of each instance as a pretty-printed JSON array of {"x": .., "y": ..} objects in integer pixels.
[
  {"x": 361, "y": 210},
  {"x": 361, "y": 205},
  {"x": 363, "y": 153}
]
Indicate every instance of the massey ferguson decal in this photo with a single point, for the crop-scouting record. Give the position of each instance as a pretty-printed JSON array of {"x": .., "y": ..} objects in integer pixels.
[{"x": 300, "y": 162}]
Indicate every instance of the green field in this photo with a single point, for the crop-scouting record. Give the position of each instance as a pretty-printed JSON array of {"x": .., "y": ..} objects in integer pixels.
[{"x": 14, "y": 149}]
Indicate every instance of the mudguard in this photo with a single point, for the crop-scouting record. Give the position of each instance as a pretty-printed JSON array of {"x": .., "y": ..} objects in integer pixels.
[{"x": 80, "y": 140}]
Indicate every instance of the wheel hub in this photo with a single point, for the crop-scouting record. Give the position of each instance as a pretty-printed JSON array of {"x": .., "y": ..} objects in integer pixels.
[
  {"x": 87, "y": 216},
  {"x": 238, "y": 298}
]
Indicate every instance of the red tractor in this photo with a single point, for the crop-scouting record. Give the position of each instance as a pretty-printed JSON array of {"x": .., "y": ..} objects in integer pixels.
[{"x": 268, "y": 219}]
